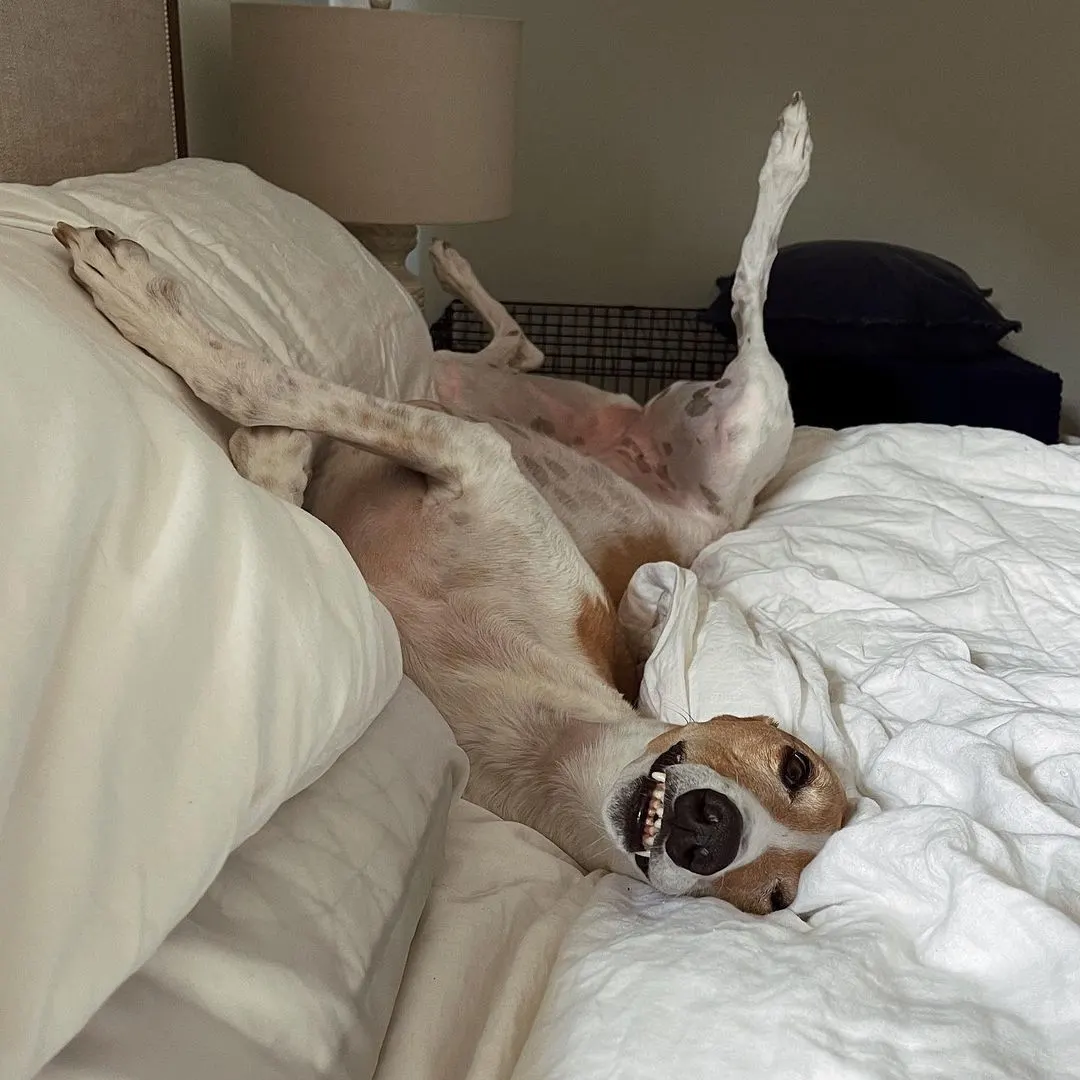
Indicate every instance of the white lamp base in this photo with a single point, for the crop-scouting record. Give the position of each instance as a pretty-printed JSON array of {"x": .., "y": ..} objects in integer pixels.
[{"x": 391, "y": 245}]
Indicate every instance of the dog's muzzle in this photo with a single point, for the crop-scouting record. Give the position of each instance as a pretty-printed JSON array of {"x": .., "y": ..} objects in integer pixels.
[{"x": 704, "y": 832}]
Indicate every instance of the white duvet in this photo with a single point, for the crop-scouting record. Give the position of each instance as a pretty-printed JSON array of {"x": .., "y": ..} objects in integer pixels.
[{"x": 907, "y": 599}]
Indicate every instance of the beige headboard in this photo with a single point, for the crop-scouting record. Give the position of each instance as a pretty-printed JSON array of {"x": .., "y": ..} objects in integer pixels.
[{"x": 88, "y": 86}]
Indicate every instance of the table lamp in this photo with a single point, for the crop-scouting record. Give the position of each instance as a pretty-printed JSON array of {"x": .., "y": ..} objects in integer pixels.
[{"x": 387, "y": 120}]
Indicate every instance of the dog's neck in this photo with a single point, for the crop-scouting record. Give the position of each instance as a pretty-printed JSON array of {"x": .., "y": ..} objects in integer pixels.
[{"x": 559, "y": 750}]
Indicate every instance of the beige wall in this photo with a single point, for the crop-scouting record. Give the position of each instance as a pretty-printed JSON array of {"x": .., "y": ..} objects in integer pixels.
[{"x": 949, "y": 125}]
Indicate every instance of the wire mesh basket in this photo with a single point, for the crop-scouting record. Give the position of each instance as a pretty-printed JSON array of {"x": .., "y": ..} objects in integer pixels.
[{"x": 626, "y": 350}]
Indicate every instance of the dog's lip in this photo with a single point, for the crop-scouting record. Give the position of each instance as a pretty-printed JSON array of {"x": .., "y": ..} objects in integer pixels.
[{"x": 647, "y": 785}]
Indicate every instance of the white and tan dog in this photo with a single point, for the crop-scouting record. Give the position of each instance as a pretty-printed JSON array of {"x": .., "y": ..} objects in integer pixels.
[{"x": 500, "y": 527}]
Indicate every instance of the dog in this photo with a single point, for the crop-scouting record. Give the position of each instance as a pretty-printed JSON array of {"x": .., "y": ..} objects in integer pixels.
[{"x": 500, "y": 524}]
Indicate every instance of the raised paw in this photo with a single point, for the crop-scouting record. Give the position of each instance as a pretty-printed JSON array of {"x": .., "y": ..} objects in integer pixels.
[
  {"x": 144, "y": 305},
  {"x": 452, "y": 269},
  {"x": 787, "y": 164}
]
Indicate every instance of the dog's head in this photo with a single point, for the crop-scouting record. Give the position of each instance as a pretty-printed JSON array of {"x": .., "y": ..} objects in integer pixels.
[{"x": 733, "y": 808}]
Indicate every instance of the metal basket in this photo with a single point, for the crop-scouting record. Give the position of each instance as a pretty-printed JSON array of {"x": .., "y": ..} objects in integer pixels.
[{"x": 626, "y": 350}]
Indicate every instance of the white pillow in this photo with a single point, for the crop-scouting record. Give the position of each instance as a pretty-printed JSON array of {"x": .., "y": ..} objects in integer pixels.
[{"x": 182, "y": 651}]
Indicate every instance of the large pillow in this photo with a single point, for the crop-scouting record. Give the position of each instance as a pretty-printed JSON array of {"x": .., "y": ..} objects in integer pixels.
[
  {"x": 182, "y": 651},
  {"x": 288, "y": 968},
  {"x": 858, "y": 298}
]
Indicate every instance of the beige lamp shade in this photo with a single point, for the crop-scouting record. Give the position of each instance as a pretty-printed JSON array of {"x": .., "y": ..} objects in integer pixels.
[{"x": 394, "y": 117}]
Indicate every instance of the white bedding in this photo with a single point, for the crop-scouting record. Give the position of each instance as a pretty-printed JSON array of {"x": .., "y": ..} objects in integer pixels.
[
  {"x": 182, "y": 651},
  {"x": 907, "y": 599},
  {"x": 287, "y": 969}
]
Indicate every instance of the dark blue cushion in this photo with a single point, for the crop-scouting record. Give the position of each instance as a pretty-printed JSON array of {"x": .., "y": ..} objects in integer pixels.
[
  {"x": 996, "y": 389},
  {"x": 860, "y": 298}
]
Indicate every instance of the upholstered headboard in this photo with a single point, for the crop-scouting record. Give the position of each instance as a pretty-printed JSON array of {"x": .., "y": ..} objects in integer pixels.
[{"x": 88, "y": 86}]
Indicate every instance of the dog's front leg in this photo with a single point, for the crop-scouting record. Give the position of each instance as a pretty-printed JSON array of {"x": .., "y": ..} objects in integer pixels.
[
  {"x": 509, "y": 347},
  {"x": 152, "y": 311}
]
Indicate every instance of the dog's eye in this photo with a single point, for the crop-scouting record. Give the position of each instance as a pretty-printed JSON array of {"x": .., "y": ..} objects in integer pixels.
[
  {"x": 777, "y": 900},
  {"x": 796, "y": 770}
]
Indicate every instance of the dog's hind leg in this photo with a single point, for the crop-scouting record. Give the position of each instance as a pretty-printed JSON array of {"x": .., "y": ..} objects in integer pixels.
[
  {"x": 509, "y": 347},
  {"x": 723, "y": 441},
  {"x": 152, "y": 311}
]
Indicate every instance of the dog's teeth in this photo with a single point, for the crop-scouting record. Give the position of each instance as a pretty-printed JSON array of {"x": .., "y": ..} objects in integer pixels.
[{"x": 658, "y": 776}]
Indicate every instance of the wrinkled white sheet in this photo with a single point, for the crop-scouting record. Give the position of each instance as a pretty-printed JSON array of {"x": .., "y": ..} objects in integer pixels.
[
  {"x": 907, "y": 599},
  {"x": 288, "y": 967}
]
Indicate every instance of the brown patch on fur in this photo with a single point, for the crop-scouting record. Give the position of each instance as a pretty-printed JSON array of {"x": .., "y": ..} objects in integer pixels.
[
  {"x": 598, "y": 634},
  {"x": 595, "y": 629},
  {"x": 767, "y": 884},
  {"x": 750, "y": 750},
  {"x": 616, "y": 564}
]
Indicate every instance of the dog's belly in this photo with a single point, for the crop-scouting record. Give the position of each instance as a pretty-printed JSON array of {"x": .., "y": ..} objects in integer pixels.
[
  {"x": 616, "y": 524},
  {"x": 471, "y": 582}
]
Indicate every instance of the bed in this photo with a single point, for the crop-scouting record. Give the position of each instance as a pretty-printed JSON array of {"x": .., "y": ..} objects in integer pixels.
[{"x": 232, "y": 841}]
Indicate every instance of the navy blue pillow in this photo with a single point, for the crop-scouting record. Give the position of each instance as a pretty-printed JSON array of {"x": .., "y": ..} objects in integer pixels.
[{"x": 861, "y": 298}]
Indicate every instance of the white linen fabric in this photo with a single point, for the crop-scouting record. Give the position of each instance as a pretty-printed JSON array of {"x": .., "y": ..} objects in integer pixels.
[
  {"x": 480, "y": 962},
  {"x": 908, "y": 600},
  {"x": 289, "y": 966},
  {"x": 182, "y": 651}
]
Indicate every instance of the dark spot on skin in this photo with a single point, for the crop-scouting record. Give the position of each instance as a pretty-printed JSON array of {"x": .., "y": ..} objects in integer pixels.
[
  {"x": 459, "y": 517},
  {"x": 216, "y": 345},
  {"x": 699, "y": 402},
  {"x": 711, "y": 498},
  {"x": 167, "y": 291},
  {"x": 664, "y": 475},
  {"x": 515, "y": 333},
  {"x": 577, "y": 440},
  {"x": 667, "y": 448},
  {"x": 542, "y": 425},
  {"x": 535, "y": 469},
  {"x": 642, "y": 464},
  {"x": 556, "y": 469},
  {"x": 724, "y": 383}
]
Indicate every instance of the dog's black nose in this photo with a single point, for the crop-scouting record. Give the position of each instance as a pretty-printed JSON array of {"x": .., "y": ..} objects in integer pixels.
[{"x": 706, "y": 828}]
